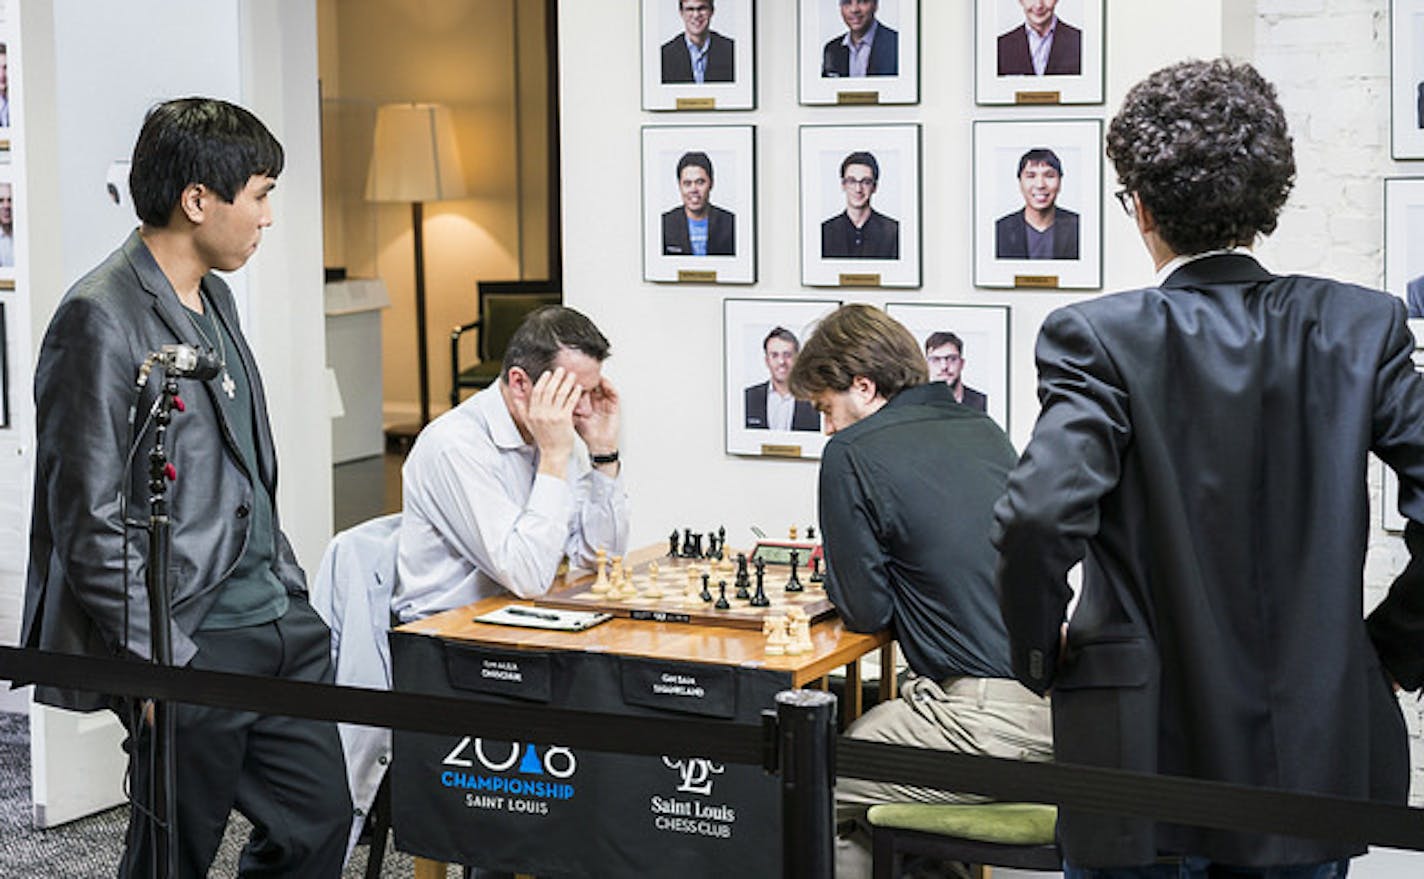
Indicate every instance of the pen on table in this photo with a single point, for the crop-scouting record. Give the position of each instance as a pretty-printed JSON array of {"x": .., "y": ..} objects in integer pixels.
[{"x": 538, "y": 615}]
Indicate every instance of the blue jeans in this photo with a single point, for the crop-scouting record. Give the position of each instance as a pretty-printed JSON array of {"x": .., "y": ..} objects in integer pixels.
[{"x": 1201, "y": 868}]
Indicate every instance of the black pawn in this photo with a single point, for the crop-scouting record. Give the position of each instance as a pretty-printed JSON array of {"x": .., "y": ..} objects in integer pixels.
[
  {"x": 722, "y": 602},
  {"x": 810, "y": 532},
  {"x": 760, "y": 599},
  {"x": 706, "y": 587},
  {"x": 816, "y": 569},
  {"x": 794, "y": 584}
]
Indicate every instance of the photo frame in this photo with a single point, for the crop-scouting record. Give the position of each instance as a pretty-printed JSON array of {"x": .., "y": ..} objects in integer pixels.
[
  {"x": 884, "y": 249},
  {"x": 1014, "y": 186},
  {"x": 830, "y": 68},
  {"x": 1404, "y": 241},
  {"x": 4, "y": 371},
  {"x": 1067, "y": 67},
  {"x": 726, "y": 233},
  {"x": 671, "y": 28},
  {"x": 760, "y": 339},
  {"x": 978, "y": 335},
  {"x": 7, "y": 227},
  {"x": 1406, "y": 76}
]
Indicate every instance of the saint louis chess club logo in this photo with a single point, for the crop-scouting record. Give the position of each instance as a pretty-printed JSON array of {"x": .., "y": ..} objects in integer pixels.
[{"x": 696, "y": 773}]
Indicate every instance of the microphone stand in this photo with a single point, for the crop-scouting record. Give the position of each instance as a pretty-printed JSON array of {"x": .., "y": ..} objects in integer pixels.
[{"x": 163, "y": 756}]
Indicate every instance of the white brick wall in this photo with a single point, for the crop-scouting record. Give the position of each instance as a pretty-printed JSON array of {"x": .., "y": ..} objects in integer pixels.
[{"x": 1329, "y": 60}]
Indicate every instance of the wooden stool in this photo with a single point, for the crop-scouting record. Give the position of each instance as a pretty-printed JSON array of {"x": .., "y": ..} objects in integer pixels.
[{"x": 980, "y": 834}]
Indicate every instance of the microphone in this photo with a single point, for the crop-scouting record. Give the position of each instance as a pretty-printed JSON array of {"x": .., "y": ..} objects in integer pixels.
[{"x": 181, "y": 361}]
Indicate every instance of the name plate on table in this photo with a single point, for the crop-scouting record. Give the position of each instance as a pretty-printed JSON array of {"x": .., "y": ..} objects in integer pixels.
[
  {"x": 520, "y": 674},
  {"x": 710, "y": 691}
]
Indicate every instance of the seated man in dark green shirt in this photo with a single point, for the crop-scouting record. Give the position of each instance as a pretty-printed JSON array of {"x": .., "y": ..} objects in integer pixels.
[{"x": 907, "y": 488}]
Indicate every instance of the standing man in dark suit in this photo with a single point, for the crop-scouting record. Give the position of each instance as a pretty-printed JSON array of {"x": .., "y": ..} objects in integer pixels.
[
  {"x": 1414, "y": 297},
  {"x": 770, "y": 405},
  {"x": 860, "y": 231},
  {"x": 697, "y": 227},
  {"x": 698, "y": 54},
  {"x": 867, "y": 48},
  {"x": 944, "y": 354},
  {"x": 1041, "y": 229},
  {"x": 200, "y": 179},
  {"x": 1044, "y": 45},
  {"x": 1220, "y": 631}
]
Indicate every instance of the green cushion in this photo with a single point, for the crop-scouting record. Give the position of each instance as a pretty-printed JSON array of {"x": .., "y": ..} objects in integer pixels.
[
  {"x": 481, "y": 375},
  {"x": 1003, "y": 823}
]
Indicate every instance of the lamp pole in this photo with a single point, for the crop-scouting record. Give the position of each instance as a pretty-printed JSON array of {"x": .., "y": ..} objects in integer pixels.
[{"x": 417, "y": 220}]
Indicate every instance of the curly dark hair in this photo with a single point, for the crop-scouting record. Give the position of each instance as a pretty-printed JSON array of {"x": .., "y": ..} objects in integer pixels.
[{"x": 1205, "y": 147}]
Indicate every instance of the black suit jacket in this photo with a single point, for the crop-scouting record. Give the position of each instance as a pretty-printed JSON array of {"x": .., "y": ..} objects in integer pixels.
[
  {"x": 1204, "y": 443},
  {"x": 1065, "y": 56},
  {"x": 975, "y": 399},
  {"x": 1414, "y": 297},
  {"x": 84, "y": 382},
  {"x": 884, "y": 55},
  {"x": 803, "y": 414},
  {"x": 1011, "y": 238},
  {"x": 721, "y": 60},
  {"x": 721, "y": 232}
]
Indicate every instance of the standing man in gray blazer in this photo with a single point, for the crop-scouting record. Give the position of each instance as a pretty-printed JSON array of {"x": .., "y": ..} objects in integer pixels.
[
  {"x": 201, "y": 178},
  {"x": 1202, "y": 447}
]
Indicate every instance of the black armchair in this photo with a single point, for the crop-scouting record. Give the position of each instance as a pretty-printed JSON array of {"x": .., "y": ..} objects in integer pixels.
[{"x": 502, "y": 307}]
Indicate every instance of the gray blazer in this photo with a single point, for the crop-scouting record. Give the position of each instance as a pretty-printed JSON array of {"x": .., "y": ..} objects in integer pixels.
[
  {"x": 1204, "y": 445},
  {"x": 84, "y": 384}
]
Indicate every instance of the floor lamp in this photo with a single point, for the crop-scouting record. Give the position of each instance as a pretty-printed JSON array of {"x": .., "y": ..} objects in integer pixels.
[{"x": 414, "y": 159}]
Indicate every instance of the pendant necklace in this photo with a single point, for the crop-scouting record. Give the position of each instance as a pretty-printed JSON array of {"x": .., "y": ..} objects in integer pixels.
[{"x": 228, "y": 385}]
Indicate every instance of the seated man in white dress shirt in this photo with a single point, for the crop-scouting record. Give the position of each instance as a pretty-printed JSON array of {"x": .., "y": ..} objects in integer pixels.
[{"x": 500, "y": 489}]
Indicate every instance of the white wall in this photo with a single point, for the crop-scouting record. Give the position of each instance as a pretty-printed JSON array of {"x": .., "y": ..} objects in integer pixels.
[{"x": 667, "y": 339}]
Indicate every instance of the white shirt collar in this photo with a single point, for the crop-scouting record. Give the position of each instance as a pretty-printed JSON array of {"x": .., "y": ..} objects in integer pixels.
[
  {"x": 490, "y": 404},
  {"x": 1177, "y": 262}
]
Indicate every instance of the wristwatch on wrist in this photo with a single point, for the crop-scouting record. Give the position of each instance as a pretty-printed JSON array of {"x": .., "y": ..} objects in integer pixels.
[{"x": 610, "y": 458}]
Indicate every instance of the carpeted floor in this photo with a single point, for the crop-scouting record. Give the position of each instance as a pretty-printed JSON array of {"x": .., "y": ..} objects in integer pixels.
[{"x": 90, "y": 847}]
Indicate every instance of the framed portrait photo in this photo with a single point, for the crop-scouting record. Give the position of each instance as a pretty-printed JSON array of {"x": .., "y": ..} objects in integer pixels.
[
  {"x": 1404, "y": 242},
  {"x": 1038, "y": 51},
  {"x": 7, "y": 227},
  {"x": 860, "y": 205},
  {"x": 698, "y": 55},
  {"x": 965, "y": 346},
  {"x": 762, "y": 338},
  {"x": 1038, "y": 204},
  {"x": 699, "y": 204},
  {"x": 1406, "y": 41},
  {"x": 859, "y": 51}
]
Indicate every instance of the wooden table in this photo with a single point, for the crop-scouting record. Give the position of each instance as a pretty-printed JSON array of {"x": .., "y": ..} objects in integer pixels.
[{"x": 833, "y": 646}]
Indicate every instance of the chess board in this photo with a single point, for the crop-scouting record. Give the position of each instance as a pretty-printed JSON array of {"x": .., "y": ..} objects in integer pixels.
[{"x": 672, "y": 606}]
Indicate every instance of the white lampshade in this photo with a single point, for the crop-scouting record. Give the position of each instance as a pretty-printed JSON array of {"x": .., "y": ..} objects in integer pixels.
[{"x": 414, "y": 156}]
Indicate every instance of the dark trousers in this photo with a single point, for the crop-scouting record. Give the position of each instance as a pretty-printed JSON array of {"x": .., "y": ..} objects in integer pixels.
[{"x": 285, "y": 774}]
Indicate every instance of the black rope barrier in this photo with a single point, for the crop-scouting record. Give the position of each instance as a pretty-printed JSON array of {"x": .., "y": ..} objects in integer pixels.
[{"x": 1160, "y": 798}]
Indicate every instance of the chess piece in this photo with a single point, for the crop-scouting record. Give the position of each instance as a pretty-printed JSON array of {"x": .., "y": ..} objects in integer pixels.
[
  {"x": 810, "y": 532},
  {"x": 791, "y": 534},
  {"x": 672, "y": 544},
  {"x": 799, "y": 637},
  {"x": 697, "y": 546},
  {"x": 654, "y": 587},
  {"x": 689, "y": 592},
  {"x": 760, "y": 599},
  {"x": 775, "y": 629},
  {"x": 600, "y": 583},
  {"x": 721, "y": 536},
  {"x": 722, "y": 602},
  {"x": 619, "y": 575},
  {"x": 794, "y": 584},
  {"x": 816, "y": 569},
  {"x": 653, "y": 570},
  {"x": 706, "y": 594},
  {"x": 743, "y": 580}
]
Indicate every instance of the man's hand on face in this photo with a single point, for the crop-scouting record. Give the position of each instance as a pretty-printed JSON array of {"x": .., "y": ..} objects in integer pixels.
[
  {"x": 549, "y": 417},
  {"x": 599, "y": 425}
]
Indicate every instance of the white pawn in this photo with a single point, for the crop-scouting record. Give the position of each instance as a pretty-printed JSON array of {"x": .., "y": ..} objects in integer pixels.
[
  {"x": 601, "y": 584},
  {"x": 776, "y": 637}
]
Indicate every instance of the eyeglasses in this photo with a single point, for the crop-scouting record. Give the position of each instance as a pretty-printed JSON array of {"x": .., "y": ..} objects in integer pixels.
[
  {"x": 1124, "y": 198},
  {"x": 942, "y": 359},
  {"x": 859, "y": 182}
]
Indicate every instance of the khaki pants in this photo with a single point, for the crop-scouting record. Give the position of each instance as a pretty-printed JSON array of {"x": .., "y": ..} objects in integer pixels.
[{"x": 994, "y": 717}]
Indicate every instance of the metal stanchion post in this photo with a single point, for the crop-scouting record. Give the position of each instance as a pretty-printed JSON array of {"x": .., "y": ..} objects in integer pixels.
[{"x": 806, "y": 724}]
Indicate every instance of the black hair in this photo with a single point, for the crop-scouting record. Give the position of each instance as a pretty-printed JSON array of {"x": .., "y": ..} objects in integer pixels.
[
  {"x": 1042, "y": 156},
  {"x": 944, "y": 337},
  {"x": 1205, "y": 146},
  {"x": 698, "y": 159},
  {"x": 862, "y": 158},
  {"x": 197, "y": 140},
  {"x": 547, "y": 331},
  {"x": 783, "y": 334}
]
